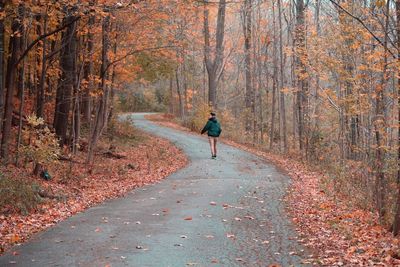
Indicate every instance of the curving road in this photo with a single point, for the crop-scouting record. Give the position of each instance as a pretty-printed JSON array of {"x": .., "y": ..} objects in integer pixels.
[{"x": 224, "y": 212}]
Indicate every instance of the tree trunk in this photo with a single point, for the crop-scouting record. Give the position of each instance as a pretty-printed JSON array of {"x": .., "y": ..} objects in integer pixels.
[
  {"x": 113, "y": 76},
  {"x": 24, "y": 41},
  {"x": 247, "y": 24},
  {"x": 380, "y": 126},
  {"x": 67, "y": 81},
  {"x": 178, "y": 90},
  {"x": 41, "y": 88},
  {"x": 171, "y": 96},
  {"x": 2, "y": 48},
  {"x": 274, "y": 79},
  {"x": 87, "y": 98},
  {"x": 15, "y": 43},
  {"x": 317, "y": 78},
  {"x": 396, "y": 222},
  {"x": 101, "y": 113},
  {"x": 302, "y": 77},
  {"x": 214, "y": 65},
  {"x": 282, "y": 110}
]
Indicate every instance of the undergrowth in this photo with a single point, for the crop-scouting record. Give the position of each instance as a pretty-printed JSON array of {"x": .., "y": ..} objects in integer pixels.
[{"x": 18, "y": 195}]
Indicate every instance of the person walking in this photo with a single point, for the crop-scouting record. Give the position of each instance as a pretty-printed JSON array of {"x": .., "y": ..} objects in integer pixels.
[{"x": 213, "y": 129}]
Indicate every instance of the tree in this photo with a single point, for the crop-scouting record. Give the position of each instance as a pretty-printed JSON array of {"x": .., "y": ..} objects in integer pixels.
[
  {"x": 302, "y": 76},
  {"x": 10, "y": 81},
  {"x": 249, "y": 92},
  {"x": 396, "y": 221},
  {"x": 101, "y": 114},
  {"x": 214, "y": 63},
  {"x": 67, "y": 79}
]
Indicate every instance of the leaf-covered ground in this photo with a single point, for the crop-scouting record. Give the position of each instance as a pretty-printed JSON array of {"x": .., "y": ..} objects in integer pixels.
[
  {"x": 146, "y": 160},
  {"x": 338, "y": 234}
]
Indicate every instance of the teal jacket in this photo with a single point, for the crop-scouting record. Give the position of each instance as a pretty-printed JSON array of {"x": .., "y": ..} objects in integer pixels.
[{"x": 212, "y": 127}]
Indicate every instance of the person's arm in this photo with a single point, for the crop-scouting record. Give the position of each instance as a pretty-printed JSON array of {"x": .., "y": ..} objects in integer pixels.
[{"x": 206, "y": 127}]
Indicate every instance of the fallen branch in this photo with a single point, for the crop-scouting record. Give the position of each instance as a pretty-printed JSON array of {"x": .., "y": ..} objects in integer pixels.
[
  {"x": 111, "y": 154},
  {"x": 45, "y": 194},
  {"x": 64, "y": 158}
]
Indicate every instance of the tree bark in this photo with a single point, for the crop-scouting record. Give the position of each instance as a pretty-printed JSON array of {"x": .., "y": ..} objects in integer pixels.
[
  {"x": 87, "y": 98},
  {"x": 101, "y": 114},
  {"x": 302, "y": 77},
  {"x": 249, "y": 90},
  {"x": 178, "y": 90},
  {"x": 214, "y": 65},
  {"x": 396, "y": 222},
  {"x": 282, "y": 108},
  {"x": 67, "y": 80},
  {"x": 113, "y": 75},
  {"x": 274, "y": 80},
  {"x": 41, "y": 88},
  {"x": 380, "y": 126},
  {"x": 15, "y": 43},
  {"x": 2, "y": 48}
]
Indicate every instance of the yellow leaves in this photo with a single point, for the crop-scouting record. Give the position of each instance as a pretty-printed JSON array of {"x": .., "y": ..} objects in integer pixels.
[
  {"x": 40, "y": 144},
  {"x": 380, "y": 3},
  {"x": 362, "y": 67},
  {"x": 288, "y": 90},
  {"x": 34, "y": 121}
]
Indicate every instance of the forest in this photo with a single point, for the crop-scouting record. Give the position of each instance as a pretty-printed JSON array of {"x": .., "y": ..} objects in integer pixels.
[{"x": 316, "y": 81}]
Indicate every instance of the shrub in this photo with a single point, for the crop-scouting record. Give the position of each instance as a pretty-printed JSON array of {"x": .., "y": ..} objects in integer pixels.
[
  {"x": 39, "y": 145},
  {"x": 231, "y": 127},
  {"x": 198, "y": 118},
  {"x": 122, "y": 128},
  {"x": 123, "y": 131},
  {"x": 17, "y": 195}
]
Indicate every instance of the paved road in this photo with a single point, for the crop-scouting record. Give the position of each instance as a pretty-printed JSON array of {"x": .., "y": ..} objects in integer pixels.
[{"x": 238, "y": 218}]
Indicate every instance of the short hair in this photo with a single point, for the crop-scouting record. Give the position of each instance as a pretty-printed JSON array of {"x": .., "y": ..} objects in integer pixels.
[{"x": 212, "y": 114}]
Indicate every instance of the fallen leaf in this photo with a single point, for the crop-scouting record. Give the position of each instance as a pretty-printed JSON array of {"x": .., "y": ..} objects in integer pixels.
[
  {"x": 188, "y": 218},
  {"x": 15, "y": 238},
  {"x": 230, "y": 236}
]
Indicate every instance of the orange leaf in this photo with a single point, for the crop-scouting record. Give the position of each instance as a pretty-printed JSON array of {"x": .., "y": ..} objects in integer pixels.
[{"x": 15, "y": 238}]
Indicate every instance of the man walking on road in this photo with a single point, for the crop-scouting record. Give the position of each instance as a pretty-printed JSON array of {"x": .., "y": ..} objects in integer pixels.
[{"x": 213, "y": 129}]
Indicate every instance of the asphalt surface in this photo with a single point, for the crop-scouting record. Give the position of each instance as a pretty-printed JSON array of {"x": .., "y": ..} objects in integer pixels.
[{"x": 224, "y": 212}]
